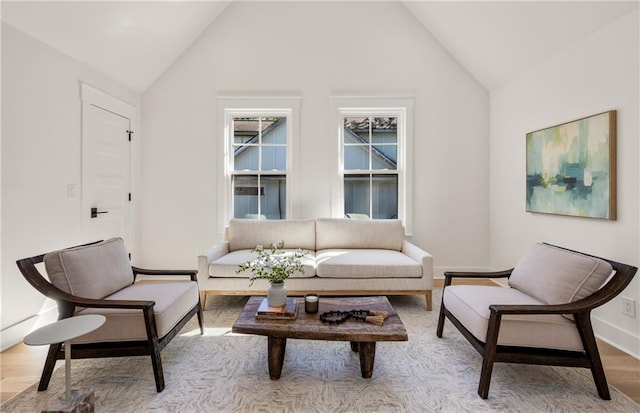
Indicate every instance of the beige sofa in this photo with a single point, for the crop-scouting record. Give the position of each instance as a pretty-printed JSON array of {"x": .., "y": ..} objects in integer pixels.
[{"x": 344, "y": 257}]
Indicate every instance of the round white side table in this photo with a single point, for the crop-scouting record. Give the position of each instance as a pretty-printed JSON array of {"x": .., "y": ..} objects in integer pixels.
[{"x": 63, "y": 331}]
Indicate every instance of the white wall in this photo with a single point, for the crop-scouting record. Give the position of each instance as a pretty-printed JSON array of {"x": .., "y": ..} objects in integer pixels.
[
  {"x": 41, "y": 154},
  {"x": 315, "y": 50},
  {"x": 599, "y": 73}
]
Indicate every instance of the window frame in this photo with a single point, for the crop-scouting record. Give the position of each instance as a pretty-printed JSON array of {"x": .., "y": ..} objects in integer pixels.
[
  {"x": 230, "y": 107},
  {"x": 391, "y": 106}
]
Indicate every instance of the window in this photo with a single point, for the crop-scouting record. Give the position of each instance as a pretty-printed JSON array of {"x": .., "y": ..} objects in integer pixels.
[
  {"x": 259, "y": 172},
  {"x": 258, "y": 141},
  {"x": 373, "y": 165},
  {"x": 370, "y": 166}
]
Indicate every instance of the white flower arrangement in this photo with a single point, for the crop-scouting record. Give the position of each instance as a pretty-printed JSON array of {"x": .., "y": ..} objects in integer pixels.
[{"x": 273, "y": 264}]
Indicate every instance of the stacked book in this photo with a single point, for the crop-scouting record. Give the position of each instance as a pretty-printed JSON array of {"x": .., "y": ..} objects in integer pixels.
[{"x": 285, "y": 312}]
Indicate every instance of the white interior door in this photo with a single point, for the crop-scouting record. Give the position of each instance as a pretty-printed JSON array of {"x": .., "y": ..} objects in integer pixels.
[{"x": 106, "y": 173}]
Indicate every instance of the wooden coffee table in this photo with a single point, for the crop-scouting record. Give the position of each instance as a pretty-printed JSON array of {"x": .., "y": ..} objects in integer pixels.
[{"x": 362, "y": 335}]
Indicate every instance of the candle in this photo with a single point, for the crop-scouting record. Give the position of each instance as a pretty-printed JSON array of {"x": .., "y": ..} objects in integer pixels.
[{"x": 311, "y": 303}]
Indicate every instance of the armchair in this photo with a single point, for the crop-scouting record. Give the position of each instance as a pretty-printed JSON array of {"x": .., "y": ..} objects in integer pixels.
[
  {"x": 543, "y": 318},
  {"x": 97, "y": 278}
]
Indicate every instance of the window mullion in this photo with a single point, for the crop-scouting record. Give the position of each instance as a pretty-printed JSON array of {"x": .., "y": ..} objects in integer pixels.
[
  {"x": 370, "y": 167},
  {"x": 259, "y": 198},
  {"x": 370, "y": 195},
  {"x": 259, "y": 194}
]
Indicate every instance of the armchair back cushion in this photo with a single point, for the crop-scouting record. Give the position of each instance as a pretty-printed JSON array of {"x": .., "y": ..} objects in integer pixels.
[
  {"x": 91, "y": 271},
  {"x": 337, "y": 233},
  {"x": 245, "y": 234},
  {"x": 557, "y": 276}
]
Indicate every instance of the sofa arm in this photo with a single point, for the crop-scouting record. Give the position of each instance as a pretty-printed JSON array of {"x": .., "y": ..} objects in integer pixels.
[
  {"x": 424, "y": 258},
  {"x": 207, "y": 256}
]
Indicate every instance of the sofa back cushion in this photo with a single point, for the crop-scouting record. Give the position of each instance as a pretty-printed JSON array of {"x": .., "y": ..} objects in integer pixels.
[
  {"x": 332, "y": 233},
  {"x": 92, "y": 271},
  {"x": 245, "y": 234},
  {"x": 557, "y": 276}
]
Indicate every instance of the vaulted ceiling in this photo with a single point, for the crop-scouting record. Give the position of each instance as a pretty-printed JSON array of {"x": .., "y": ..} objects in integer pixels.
[{"x": 133, "y": 42}]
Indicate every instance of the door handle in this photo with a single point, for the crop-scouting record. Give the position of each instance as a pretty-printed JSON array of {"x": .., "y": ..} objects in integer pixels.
[{"x": 95, "y": 212}]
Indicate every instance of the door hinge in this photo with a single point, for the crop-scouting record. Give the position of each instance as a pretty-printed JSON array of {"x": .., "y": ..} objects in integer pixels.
[
  {"x": 129, "y": 196},
  {"x": 130, "y": 132}
]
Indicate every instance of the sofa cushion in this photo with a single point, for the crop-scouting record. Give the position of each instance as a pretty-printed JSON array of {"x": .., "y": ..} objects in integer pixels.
[
  {"x": 92, "y": 271},
  {"x": 227, "y": 265},
  {"x": 470, "y": 305},
  {"x": 557, "y": 276},
  {"x": 336, "y": 233},
  {"x": 369, "y": 263},
  {"x": 245, "y": 234},
  {"x": 173, "y": 300}
]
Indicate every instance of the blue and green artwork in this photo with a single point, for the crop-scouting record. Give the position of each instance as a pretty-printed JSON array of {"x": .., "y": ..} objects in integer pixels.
[{"x": 571, "y": 168}]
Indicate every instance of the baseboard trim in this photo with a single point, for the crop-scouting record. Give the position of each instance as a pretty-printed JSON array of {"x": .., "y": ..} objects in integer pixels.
[
  {"x": 615, "y": 336},
  {"x": 14, "y": 334}
]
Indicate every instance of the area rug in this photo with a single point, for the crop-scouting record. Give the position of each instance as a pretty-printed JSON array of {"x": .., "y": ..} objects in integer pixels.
[{"x": 224, "y": 372}]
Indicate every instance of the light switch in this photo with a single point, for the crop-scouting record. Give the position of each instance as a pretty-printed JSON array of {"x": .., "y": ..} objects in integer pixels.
[{"x": 72, "y": 191}]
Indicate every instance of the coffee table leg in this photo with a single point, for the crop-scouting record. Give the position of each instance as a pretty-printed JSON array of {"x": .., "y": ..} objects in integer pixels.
[
  {"x": 276, "y": 350},
  {"x": 367, "y": 356},
  {"x": 354, "y": 346}
]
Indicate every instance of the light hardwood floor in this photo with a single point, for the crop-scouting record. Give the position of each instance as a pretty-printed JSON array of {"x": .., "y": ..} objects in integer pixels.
[{"x": 21, "y": 366}]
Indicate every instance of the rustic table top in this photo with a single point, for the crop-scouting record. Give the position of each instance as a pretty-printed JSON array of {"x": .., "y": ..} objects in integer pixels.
[{"x": 309, "y": 326}]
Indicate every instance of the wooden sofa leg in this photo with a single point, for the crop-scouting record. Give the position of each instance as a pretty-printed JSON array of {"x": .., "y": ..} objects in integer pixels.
[
  {"x": 158, "y": 373},
  {"x": 599, "y": 378},
  {"x": 489, "y": 354},
  {"x": 485, "y": 377},
  {"x": 49, "y": 365},
  {"x": 201, "y": 319},
  {"x": 591, "y": 348},
  {"x": 203, "y": 299},
  {"x": 154, "y": 347},
  {"x": 441, "y": 319},
  {"x": 429, "y": 300}
]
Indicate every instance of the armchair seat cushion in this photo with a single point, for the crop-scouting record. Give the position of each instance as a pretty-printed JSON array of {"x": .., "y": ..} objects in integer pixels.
[
  {"x": 174, "y": 299},
  {"x": 470, "y": 305},
  {"x": 366, "y": 263}
]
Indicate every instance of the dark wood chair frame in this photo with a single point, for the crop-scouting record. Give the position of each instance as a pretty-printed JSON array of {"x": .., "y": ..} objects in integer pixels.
[
  {"x": 580, "y": 310},
  {"x": 68, "y": 303}
]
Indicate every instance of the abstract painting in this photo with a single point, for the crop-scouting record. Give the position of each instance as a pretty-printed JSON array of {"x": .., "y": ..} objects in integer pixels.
[{"x": 571, "y": 168}]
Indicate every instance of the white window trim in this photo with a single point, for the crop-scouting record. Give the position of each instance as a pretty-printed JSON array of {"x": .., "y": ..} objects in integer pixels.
[
  {"x": 401, "y": 106},
  {"x": 230, "y": 106}
]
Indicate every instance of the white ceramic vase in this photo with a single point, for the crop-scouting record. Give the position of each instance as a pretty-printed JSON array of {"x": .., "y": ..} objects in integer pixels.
[{"x": 277, "y": 295}]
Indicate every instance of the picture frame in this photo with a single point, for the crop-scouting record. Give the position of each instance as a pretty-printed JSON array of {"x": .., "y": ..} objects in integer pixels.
[{"x": 571, "y": 168}]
